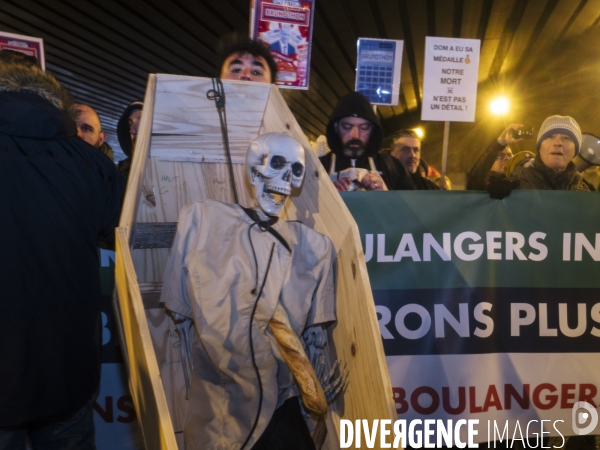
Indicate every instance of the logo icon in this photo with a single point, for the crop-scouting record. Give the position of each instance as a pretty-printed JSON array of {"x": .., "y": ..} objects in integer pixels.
[{"x": 579, "y": 418}]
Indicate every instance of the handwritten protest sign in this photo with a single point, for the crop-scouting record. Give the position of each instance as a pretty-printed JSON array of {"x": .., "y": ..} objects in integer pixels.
[{"x": 450, "y": 80}]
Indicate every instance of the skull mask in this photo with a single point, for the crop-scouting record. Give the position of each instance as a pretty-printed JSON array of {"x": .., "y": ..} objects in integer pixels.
[{"x": 275, "y": 164}]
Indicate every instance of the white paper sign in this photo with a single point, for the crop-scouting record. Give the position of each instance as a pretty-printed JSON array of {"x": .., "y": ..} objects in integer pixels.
[{"x": 450, "y": 81}]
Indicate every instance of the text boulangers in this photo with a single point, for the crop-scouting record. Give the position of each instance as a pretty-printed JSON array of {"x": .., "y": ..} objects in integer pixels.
[{"x": 470, "y": 246}]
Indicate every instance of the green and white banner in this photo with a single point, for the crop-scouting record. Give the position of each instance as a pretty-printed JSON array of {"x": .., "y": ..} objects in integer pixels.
[{"x": 488, "y": 309}]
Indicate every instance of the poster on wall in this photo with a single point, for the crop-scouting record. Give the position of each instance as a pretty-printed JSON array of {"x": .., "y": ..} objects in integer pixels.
[
  {"x": 286, "y": 27},
  {"x": 378, "y": 66},
  {"x": 31, "y": 46}
]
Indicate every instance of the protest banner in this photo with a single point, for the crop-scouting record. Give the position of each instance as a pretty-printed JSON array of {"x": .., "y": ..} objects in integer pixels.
[
  {"x": 31, "y": 46},
  {"x": 378, "y": 64},
  {"x": 488, "y": 309},
  {"x": 114, "y": 412},
  {"x": 285, "y": 26}
]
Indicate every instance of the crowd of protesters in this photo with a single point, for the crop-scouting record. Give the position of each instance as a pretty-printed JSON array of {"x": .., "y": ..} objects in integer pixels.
[{"x": 66, "y": 195}]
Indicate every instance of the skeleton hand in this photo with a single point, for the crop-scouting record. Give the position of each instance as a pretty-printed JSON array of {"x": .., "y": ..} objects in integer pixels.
[{"x": 333, "y": 382}]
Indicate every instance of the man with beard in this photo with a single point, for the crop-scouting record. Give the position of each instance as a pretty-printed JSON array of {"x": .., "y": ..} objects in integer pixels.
[
  {"x": 354, "y": 136},
  {"x": 406, "y": 147}
]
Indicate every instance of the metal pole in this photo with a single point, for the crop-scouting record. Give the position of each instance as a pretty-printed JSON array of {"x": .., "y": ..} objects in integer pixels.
[{"x": 445, "y": 154}]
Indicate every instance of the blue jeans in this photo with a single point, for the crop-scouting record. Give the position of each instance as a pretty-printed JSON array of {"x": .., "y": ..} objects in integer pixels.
[{"x": 73, "y": 433}]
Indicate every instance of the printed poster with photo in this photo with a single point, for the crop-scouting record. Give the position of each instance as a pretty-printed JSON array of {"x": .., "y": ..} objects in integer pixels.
[
  {"x": 31, "y": 46},
  {"x": 286, "y": 27}
]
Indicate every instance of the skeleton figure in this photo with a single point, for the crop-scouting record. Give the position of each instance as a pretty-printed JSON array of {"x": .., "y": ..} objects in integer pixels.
[
  {"x": 275, "y": 163},
  {"x": 242, "y": 287}
]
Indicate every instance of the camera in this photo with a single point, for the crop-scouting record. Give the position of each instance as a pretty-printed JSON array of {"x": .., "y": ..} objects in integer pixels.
[{"x": 525, "y": 132}]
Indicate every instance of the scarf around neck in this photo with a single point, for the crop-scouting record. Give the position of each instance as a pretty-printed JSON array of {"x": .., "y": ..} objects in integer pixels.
[{"x": 560, "y": 181}]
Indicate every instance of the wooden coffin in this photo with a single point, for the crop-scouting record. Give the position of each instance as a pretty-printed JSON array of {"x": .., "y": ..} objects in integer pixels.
[{"x": 179, "y": 158}]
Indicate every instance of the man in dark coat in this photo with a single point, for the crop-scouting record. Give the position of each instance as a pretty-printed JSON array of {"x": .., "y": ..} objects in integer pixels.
[
  {"x": 406, "y": 147},
  {"x": 494, "y": 159},
  {"x": 59, "y": 199},
  {"x": 89, "y": 128},
  {"x": 127, "y": 130},
  {"x": 354, "y": 136},
  {"x": 558, "y": 142}
]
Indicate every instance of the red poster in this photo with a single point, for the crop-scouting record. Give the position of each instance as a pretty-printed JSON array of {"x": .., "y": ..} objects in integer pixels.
[
  {"x": 31, "y": 46},
  {"x": 286, "y": 27}
]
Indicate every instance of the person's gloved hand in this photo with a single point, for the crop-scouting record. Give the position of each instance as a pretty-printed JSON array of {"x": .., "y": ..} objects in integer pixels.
[{"x": 500, "y": 187}]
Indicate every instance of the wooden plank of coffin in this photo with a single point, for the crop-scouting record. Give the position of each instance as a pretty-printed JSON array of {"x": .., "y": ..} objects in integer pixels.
[
  {"x": 168, "y": 186},
  {"x": 208, "y": 149},
  {"x": 144, "y": 375},
  {"x": 181, "y": 107}
]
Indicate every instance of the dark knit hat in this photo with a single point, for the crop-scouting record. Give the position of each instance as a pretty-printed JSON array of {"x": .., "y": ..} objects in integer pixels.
[
  {"x": 560, "y": 125},
  {"x": 123, "y": 127}
]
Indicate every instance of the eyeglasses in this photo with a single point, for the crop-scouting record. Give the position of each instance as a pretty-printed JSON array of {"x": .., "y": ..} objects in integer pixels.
[{"x": 503, "y": 156}]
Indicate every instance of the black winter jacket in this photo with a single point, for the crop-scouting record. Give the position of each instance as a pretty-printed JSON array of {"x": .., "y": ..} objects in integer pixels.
[
  {"x": 354, "y": 104},
  {"x": 59, "y": 197}
]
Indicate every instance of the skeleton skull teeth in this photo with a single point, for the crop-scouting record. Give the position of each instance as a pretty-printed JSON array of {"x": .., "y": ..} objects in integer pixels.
[{"x": 273, "y": 197}]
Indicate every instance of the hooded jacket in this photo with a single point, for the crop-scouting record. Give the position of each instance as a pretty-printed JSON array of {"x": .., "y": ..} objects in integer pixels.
[
  {"x": 124, "y": 137},
  {"x": 60, "y": 196},
  {"x": 354, "y": 104},
  {"x": 476, "y": 178}
]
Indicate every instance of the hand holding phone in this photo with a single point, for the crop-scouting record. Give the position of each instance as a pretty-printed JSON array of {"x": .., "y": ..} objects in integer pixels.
[{"x": 525, "y": 132}]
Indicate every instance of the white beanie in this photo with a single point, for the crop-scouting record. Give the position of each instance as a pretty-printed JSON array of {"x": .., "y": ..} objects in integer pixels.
[{"x": 560, "y": 125}]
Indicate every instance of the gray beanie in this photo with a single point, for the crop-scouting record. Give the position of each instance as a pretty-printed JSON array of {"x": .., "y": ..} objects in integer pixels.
[{"x": 560, "y": 125}]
